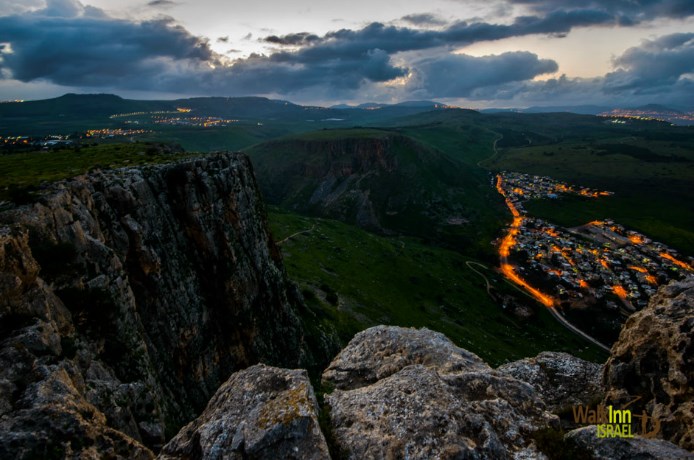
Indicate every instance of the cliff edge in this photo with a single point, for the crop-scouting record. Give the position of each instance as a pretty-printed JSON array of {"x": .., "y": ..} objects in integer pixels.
[{"x": 127, "y": 298}]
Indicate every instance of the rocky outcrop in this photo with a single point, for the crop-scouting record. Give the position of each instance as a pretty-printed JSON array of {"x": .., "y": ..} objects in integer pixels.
[
  {"x": 262, "y": 413},
  {"x": 652, "y": 363},
  {"x": 562, "y": 379},
  {"x": 127, "y": 297},
  {"x": 584, "y": 443},
  {"x": 412, "y": 393}
]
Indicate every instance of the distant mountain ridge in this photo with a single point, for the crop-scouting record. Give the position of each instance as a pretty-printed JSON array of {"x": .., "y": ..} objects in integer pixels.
[
  {"x": 247, "y": 106},
  {"x": 379, "y": 180},
  {"x": 74, "y": 112}
]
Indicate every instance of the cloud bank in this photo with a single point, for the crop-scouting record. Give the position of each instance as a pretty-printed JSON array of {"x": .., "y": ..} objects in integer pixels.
[{"x": 66, "y": 43}]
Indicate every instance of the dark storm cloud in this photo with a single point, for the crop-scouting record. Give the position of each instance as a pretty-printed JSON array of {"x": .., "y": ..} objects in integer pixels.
[
  {"x": 262, "y": 75},
  {"x": 458, "y": 75},
  {"x": 297, "y": 39},
  {"x": 659, "y": 69},
  {"x": 424, "y": 19},
  {"x": 394, "y": 39},
  {"x": 655, "y": 64},
  {"x": 630, "y": 10},
  {"x": 162, "y": 3},
  {"x": 71, "y": 45}
]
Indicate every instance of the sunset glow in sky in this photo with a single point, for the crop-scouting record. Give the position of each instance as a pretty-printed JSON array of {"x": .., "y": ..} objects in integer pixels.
[{"x": 499, "y": 53}]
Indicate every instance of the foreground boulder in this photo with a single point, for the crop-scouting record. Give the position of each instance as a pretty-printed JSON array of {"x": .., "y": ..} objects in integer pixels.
[
  {"x": 414, "y": 394},
  {"x": 653, "y": 360},
  {"x": 584, "y": 443},
  {"x": 563, "y": 380},
  {"x": 262, "y": 413}
]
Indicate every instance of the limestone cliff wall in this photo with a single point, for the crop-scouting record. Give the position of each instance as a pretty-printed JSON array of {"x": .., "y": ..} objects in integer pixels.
[{"x": 128, "y": 297}]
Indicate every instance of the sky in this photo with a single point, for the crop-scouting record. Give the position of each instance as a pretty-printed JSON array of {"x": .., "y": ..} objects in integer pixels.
[{"x": 469, "y": 53}]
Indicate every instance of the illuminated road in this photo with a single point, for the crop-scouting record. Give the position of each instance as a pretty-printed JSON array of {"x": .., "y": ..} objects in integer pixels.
[
  {"x": 509, "y": 270},
  {"x": 509, "y": 242}
]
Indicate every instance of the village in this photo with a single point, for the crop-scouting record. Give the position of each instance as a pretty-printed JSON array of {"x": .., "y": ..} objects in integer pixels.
[{"x": 600, "y": 262}]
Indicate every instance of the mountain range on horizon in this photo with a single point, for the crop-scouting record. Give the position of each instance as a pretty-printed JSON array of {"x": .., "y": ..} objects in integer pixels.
[{"x": 111, "y": 100}]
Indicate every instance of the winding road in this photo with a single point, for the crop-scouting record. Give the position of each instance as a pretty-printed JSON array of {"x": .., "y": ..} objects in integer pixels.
[
  {"x": 470, "y": 264},
  {"x": 279, "y": 243}
]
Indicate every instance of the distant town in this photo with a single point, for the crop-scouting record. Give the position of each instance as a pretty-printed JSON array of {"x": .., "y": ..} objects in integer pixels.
[
  {"x": 600, "y": 262},
  {"x": 671, "y": 116}
]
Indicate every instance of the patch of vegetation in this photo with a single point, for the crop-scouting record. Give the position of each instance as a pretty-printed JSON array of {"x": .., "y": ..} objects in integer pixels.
[
  {"x": 402, "y": 281},
  {"x": 635, "y": 151},
  {"x": 21, "y": 174}
]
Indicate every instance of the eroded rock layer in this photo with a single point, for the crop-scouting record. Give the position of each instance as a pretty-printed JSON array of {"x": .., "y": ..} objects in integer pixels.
[
  {"x": 652, "y": 363},
  {"x": 413, "y": 393},
  {"x": 127, "y": 297}
]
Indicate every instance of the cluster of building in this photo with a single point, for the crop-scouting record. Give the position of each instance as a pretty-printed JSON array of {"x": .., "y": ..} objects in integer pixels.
[
  {"x": 156, "y": 112},
  {"x": 15, "y": 140},
  {"x": 204, "y": 122},
  {"x": 522, "y": 187},
  {"x": 11, "y": 144},
  {"x": 671, "y": 116},
  {"x": 597, "y": 262},
  {"x": 113, "y": 132}
]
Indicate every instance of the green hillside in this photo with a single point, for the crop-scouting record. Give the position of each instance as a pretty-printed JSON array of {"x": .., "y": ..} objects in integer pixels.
[
  {"x": 353, "y": 279},
  {"x": 383, "y": 181},
  {"x": 22, "y": 174}
]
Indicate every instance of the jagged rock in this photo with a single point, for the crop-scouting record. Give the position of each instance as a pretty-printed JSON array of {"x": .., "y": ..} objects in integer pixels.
[
  {"x": 585, "y": 444},
  {"x": 654, "y": 360},
  {"x": 414, "y": 394},
  {"x": 560, "y": 378},
  {"x": 52, "y": 419},
  {"x": 147, "y": 287},
  {"x": 381, "y": 351},
  {"x": 262, "y": 413}
]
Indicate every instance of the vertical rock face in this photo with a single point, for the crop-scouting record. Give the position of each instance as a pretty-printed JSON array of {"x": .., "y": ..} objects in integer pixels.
[
  {"x": 127, "y": 297},
  {"x": 261, "y": 412},
  {"x": 653, "y": 360},
  {"x": 404, "y": 393}
]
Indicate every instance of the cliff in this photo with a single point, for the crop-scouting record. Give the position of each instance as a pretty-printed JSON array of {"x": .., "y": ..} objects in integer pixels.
[
  {"x": 127, "y": 298},
  {"x": 652, "y": 363}
]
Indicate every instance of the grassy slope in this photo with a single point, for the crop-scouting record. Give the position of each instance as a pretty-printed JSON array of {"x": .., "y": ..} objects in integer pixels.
[
  {"x": 31, "y": 169},
  {"x": 380, "y": 280},
  {"x": 444, "y": 158},
  {"x": 466, "y": 142}
]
